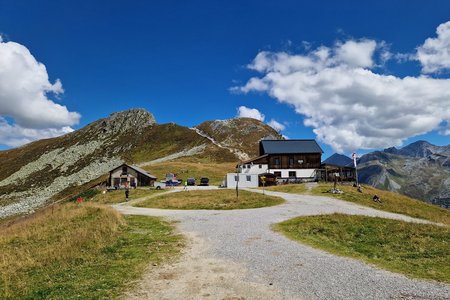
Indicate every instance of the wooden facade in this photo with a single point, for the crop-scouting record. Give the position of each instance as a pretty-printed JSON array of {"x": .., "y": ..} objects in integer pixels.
[{"x": 294, "y": 161}]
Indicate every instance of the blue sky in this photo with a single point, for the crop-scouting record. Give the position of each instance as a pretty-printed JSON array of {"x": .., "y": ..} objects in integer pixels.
[{"x": 181, "y": 59}]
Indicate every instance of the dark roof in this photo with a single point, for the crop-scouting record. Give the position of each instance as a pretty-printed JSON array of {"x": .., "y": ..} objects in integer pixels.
[
  {"x": 137, "y": 169},
  {"x": 339, "y": 160},
  {"x": 289, "y": 147},
  {"x": 254, "y": 159}
]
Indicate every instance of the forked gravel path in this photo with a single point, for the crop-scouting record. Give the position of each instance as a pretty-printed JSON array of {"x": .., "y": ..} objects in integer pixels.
[{"x": 235, "y": 255}]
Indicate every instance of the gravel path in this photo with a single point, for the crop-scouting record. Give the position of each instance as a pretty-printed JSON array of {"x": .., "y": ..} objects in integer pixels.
[{"x": 263, "y": 260}]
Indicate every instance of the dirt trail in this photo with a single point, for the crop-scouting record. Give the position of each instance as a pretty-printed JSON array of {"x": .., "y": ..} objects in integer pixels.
[{"x": 197, "y": 276}]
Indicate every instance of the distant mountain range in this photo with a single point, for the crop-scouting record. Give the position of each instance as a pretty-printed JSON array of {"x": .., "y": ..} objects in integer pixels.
[
  {"x": 420, "y": 170},
  {"x": 49, "y": 169}
]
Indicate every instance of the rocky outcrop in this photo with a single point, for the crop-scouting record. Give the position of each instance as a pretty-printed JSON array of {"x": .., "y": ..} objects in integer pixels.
[
  {"x": 240, "y": 135},
  {"x": 74, "y": 159}
]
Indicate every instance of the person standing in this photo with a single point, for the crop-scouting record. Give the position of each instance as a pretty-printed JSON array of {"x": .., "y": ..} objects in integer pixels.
[{"x": 127, "y": 193}]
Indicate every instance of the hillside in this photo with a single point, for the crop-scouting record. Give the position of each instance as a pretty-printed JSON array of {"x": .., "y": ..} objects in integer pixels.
[
  {"x": 35, "y": 173},
  {"x": 420, "y": 170},
  {"x": 238, "y": 135}
]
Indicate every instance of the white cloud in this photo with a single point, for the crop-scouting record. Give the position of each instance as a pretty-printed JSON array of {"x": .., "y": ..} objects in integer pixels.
[
  {"x": 15, "y": 135},
  {"x": 434, "y": 54},
  {"x": 356, "y": 53},
  {"x": 348, "y": 105},
  {"x": 276, "y": 125},
  {"x": 24, "y": 90},
  {"x": 246, "y": 112}
]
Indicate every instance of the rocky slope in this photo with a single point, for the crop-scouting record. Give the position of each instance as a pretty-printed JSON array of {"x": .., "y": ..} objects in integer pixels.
[
  {"x": 238, "y": 135},
  {"x": 420, "y": 170},
  {"x": 45, "y": 170}
]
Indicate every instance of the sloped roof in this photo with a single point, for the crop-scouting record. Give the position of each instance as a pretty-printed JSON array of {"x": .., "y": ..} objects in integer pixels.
[
  {"x": 137, "y": 169},
  {"x": 253, "y": 159},
  {"x": 289, "y": 146},
  {"x": 339, "y": 160}
]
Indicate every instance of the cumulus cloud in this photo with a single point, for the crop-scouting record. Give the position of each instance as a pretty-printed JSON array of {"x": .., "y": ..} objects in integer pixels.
[
  {"x": 15, "y": 135},
  {"x": 434, "y": 54},
  {"x": 246, "y": 112},
  {"x": 349, "y": 105},
  {"x": 24, "y": 98},
  {"x": 276, "y": 125}
]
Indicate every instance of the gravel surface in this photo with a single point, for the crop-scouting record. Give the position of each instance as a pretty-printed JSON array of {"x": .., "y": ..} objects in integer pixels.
[{"x": 291, "y": 269}]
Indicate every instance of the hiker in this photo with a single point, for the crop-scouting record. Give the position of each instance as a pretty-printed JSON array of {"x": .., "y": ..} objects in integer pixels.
[
  {"x": 127, "y": 193},
  {"x": 185, "y": 186}
]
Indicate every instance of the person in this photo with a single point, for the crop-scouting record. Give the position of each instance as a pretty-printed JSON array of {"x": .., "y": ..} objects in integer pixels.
[
  {"x": 185, "y": 186},
  {"x": 127, "y": 193},
  {"x": 376, "y": 199}
]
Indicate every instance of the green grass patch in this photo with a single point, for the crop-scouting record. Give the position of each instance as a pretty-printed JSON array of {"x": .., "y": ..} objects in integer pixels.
[
  {"x": 416, "y": 250},
  {"x": 392, "y": 202},
  {"x": 211, "y": 199},
  {"x": 118, "y": 196},
  {"x": 287, "y": 188},
  {"x": 82, "y": 251}
]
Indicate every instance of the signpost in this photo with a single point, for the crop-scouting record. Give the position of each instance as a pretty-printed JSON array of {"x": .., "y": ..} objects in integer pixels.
[{"x": 263, "y": 180}]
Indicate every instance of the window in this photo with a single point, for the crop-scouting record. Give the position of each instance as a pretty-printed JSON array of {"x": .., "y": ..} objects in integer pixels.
[
  {"x": 277, "y": 174},
  {"x": 260, "y": 166},
  {"x": 236, "y": 178},
  {"x": 292, "y": 174},
  {"x": 291, "y": 161},
  {"x": 249, "y": 178},
  {"x": 277, "y": 161},
  {"x": 124, "y": 170}
]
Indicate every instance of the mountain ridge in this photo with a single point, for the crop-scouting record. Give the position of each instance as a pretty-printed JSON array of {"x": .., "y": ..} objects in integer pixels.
[
  {"x": 34, "y": 174},
  {"x": 420, "y": 170}
]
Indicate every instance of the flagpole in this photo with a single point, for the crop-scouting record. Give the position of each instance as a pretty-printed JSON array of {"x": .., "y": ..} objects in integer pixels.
[{"x": 356, "y": 167}]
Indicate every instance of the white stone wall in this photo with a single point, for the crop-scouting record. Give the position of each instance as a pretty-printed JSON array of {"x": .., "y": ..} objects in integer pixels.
[
  {"x": 253, "y": 169},
  {"x": 243, "y": 180},
  {"x": 131, "y": 175},
  {"x": 300, "y": 173}
]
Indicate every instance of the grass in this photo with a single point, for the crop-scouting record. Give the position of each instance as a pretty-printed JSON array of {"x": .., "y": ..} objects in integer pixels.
[
  {"x": 287, "y": 188},
  {"x": 392, "y": 202},
  {"x": 216, "y": 172},
  {"x": 85, "y": 251},
  {"x": 218, "y": 199},
  {"x": 416, "y": 250},
  {"x": 118, "y": 196}
]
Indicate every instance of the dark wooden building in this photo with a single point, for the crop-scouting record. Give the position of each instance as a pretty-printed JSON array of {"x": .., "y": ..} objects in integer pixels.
[
  {"x": 337, "y": 166},
  {"x": 286, "y": 159}
]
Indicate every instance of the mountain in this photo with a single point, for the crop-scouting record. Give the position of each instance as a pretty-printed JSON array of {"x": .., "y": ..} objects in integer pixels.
[
  {"x": 238, "y": 135},
  {"x": 339, "y": 160},
  {"x": 48, "y": 169},
  {"x": 420, "y": 170}
]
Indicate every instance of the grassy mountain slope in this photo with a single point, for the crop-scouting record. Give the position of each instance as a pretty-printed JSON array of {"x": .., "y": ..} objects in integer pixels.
[
  {"x": 33, "y": 174},
  {"x": 238, "y": 134}
]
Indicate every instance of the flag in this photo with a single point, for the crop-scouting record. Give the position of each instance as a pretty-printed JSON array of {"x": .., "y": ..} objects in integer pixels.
[{"x": 354, "y": 158}]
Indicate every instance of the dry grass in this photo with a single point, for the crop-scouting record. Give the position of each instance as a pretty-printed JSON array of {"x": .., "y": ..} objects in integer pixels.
[
  {"x": 87, "y": 251},
  {"x": 54, "y": 237},
  {"x": 392, "y": 202},
  {"x": 216, "y": 172},
  {"x": 218, "y": 199},
  {"x": 119, "y": 195},
  {"x": 288, "y": 188},
  {"x": 417, "y": 250}
]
